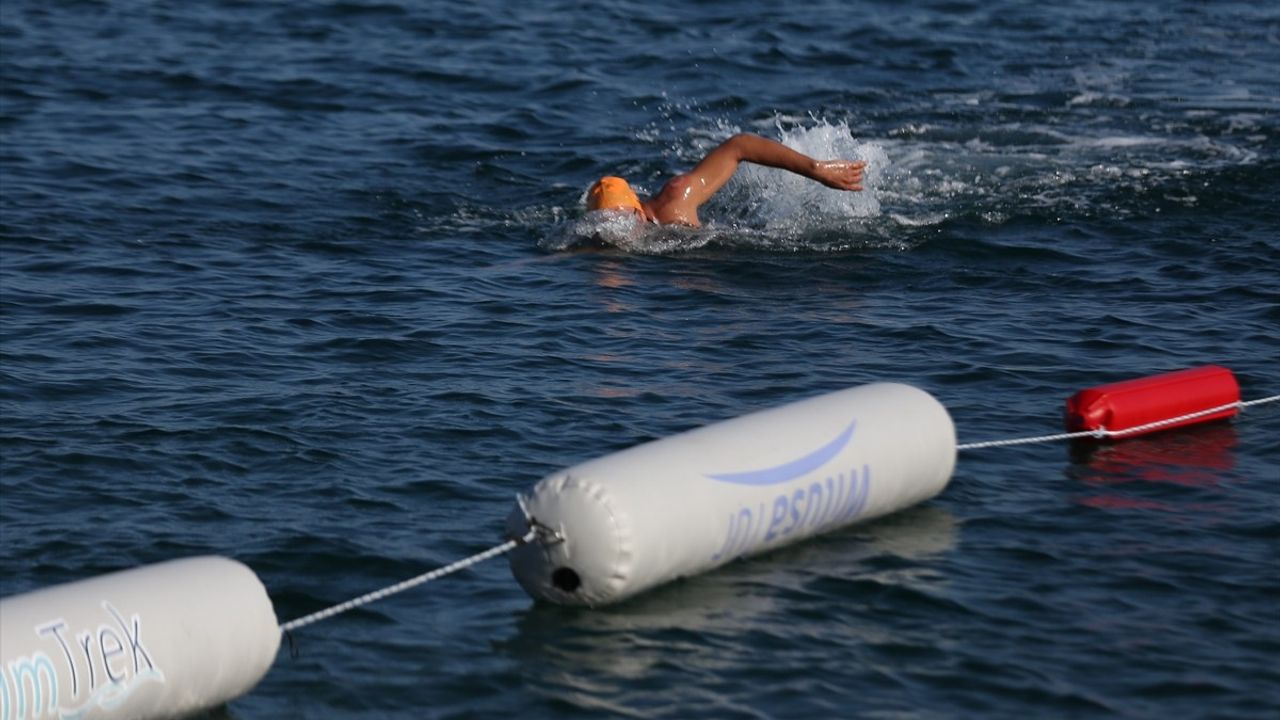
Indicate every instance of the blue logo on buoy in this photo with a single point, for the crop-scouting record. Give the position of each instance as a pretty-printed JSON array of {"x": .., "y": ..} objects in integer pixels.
[{"x": 793, "y": 469}]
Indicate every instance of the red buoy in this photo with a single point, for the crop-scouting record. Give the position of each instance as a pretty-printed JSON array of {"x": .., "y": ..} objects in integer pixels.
[{"x": 1131, "y": 403}]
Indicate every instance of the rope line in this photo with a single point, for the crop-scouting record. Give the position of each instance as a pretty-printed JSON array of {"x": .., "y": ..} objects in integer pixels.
[
  {"x": 376, "y": 595},
  {"x": 536, "y": 530},
  {"x": 1102, "y": 432}
]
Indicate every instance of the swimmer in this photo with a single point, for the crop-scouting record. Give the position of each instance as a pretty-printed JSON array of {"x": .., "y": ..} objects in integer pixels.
[{"x": 678, "y": 201}]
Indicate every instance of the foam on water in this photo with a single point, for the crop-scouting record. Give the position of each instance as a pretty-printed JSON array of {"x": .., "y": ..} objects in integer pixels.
[{"x": 918, "y": 177}]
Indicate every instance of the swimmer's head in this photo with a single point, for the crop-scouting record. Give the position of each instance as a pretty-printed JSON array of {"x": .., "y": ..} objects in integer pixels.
[{"x": 613, "y": 193}]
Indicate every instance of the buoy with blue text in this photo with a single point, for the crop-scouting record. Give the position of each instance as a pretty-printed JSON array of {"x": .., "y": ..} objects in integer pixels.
[
  {"x": 618, "y": 525},
  {"x": 157, "y": 641}
]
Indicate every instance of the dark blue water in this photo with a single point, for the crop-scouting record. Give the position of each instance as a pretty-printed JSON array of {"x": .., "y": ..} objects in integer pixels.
[{"x": 305, "y": 284}]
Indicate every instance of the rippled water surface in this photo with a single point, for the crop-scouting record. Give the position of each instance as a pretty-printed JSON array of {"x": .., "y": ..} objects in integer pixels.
[{"x": 309, "y": 285}]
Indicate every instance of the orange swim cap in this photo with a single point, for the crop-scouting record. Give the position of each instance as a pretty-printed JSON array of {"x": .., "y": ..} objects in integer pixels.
[{"x": 612, "y": 193}]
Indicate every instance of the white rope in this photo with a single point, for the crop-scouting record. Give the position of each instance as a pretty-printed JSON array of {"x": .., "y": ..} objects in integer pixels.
[
  {"x": 462, "y": 564},
  {"x": 1102, "y": 432},
  {"x": 536, "y": 530}
]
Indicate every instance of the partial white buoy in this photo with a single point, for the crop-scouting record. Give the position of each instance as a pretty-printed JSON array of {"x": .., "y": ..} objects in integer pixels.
[
  {"x": 157, "y": 641},
  {"x": 627, "y": 522}
]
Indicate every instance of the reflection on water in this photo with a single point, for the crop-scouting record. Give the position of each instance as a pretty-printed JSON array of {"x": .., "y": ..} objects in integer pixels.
[
  {"x": 612, "y": 274},
  {"x": 1195, "y": 457},
  {"x": 729, "y": 618}
]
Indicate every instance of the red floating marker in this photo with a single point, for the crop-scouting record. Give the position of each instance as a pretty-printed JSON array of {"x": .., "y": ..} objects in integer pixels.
[{"x": 1123, "y": 405}]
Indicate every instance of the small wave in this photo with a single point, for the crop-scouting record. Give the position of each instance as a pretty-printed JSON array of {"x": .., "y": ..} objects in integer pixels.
[
  {"x": 627, "y": 235},
  {"x": 1091, "y": 98},
  {"x": 623, "y": 231}
]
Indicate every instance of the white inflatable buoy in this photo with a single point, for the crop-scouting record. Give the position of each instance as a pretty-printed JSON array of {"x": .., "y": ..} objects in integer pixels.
[
  {"x": 621, "y": 524},
  {"x": 157, "y": 641}
]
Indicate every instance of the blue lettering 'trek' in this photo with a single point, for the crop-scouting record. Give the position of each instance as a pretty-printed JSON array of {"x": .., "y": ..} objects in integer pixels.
[{"x": 105, "y": 665}]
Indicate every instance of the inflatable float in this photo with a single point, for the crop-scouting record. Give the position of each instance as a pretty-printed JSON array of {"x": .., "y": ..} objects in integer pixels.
[{"x": 184, "y": 636}]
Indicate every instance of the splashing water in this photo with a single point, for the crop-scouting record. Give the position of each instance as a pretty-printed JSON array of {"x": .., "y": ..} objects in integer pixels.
[{"x": 778, "y": 200}]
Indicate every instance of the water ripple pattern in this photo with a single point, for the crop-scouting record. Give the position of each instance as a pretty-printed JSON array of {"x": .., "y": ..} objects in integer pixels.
[{"x": 309, "y": 284}]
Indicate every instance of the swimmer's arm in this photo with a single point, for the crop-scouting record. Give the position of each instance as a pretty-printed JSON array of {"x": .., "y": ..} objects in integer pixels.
[{"x": 720, "y": 164}]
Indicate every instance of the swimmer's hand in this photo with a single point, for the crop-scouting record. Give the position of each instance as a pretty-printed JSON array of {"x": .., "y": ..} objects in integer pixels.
[{"x": 839, "y": 174}]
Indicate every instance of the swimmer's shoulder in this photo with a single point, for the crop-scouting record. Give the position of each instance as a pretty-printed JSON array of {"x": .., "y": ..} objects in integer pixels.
[{"x": 673, "y": 204}]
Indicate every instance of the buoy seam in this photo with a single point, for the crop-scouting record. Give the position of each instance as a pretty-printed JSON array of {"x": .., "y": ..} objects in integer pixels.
[{"x": 619, "y": 576}]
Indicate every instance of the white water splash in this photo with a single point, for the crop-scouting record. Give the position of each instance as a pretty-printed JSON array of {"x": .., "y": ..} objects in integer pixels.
[
  {"x": 626, "y": 232},
  {"x": 772, "y": 199}
]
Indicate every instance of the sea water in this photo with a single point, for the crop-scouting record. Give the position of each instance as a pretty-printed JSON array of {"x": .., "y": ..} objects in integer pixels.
[{"x": 310, "y": 285}]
